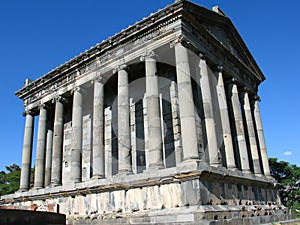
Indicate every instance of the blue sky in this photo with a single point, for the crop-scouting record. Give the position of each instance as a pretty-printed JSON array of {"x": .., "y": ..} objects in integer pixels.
[{"x": 37, "y": 36}]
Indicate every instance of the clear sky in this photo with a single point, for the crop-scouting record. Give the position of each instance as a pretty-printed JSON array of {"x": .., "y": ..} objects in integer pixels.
[{"x": 37, "y": 36}]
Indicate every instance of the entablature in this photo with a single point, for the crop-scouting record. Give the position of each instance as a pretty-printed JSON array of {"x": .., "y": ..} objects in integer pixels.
[
  {"x": 200, "y": 41},
  {"x": 150, "y": 29}
]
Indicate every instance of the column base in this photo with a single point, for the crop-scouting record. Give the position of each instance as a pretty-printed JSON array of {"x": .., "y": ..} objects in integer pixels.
[
  {"x": 189, "y": 165},
  {"x": 156, "y": 166},
  {"x": 234, "y": 169},
  {"x": 153, "y": 169},
  {"x": 215, "y": 164},
  {"x": 124, "y": 173},
  {"x": 97, "y": 177},
  {"x": 23, "y": 190},
  {"x": 55, "y": 184},
  {"x": 247, "y": 171},
  {"x": 37, "y": 188}
]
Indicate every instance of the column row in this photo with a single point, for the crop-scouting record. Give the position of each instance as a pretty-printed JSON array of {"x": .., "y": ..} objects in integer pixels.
[{"x": 244, "y": 116}]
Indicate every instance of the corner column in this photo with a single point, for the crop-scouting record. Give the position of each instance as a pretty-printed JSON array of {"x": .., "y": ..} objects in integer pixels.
[
  {"x": 39, "y": 175},
  {"x": 238, "y": 120},
  {"x": 251, "y": 132},
  {"x": 210, "y": 127},
  {"x": 27, "y": 152},
  {"x": 124, "y": 142},
  {"x": 58, "y": 130},
  {"x": 153, "y": 106},
  {"x": 225, "y": 122},
  {"x": 186, "y": 103},
  {"x": 261, "y": 137},
  {"x": 98, "y": 129},
  {"x": 76, "y": 151}
]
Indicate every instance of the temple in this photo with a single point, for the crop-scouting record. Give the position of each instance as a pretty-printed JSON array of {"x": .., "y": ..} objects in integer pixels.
[{"x": 158, "y": 124}]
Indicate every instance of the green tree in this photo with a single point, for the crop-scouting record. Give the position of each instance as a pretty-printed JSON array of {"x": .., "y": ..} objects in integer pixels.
[
  {"x": 9, "y": 181},
  {"x": 289, "y": 176}
]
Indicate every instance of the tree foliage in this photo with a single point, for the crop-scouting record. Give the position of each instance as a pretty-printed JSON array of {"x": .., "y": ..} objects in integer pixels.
[
  {"x": 9, "y": 180},
  {"x": 289, "y": 176}
]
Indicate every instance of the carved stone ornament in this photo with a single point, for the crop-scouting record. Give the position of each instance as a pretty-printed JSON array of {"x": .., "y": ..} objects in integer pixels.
[
  {"x": 42, "y": 106},
  {"x": 179, "y": 41},
  {"x": 220, "y": 68},
  {"x": 121, "y": 67},
  {"x": 98, "y": 77},
  {"x": 148, "y": 54},
  {"x": 257, "y": 98},
  {"x": 27, "y": 112},
  {"x": 59, "y": 99}
]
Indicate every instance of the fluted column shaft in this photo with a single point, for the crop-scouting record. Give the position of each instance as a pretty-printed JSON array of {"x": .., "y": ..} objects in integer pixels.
[
  {"x": 58, "y": 130},
  {"x": 124, "y": 142},
  {"x": 27, "y": 153},
  {"x": 186, "y": 104},
  {"x": 240, "y": 133},
  {"x": 39, "y": 175},
  {"x": 210, "y": 126},
  {"x": 153, "y": 106},
  {"x": 261, "y": 139},
  {"x": 48, "y": 157},
  {"x": 225, "y": 122},
  {"x": 76, "y": 151},
  {"x": 251, "y": 133},
  {"x": 98, "y": 130}
]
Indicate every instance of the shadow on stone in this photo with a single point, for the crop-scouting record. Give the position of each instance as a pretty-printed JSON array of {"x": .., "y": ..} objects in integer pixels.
[{"x": 24, "y": 217}]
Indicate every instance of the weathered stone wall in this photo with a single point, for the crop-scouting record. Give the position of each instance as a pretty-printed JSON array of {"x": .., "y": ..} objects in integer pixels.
[{"x": 136, "y": 195}]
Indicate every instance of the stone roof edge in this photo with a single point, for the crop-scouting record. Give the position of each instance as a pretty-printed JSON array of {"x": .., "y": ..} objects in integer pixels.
[
  {"x": 108, "y": 43},
  {"x": 225, "y": 20},
  {"x": 247, "y": 52},
  {"x": 137, "y": 28}
]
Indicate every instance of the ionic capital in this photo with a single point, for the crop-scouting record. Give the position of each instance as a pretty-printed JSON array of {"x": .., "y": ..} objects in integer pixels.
[
  {"x": 28, "y": 112},
  {"x": 119, "y": 68},
  {"x": 59, "y": 99},
  {"x": 98, "y": 78},
  {"x": 181, "y": 41},
  {"x": 220, "y": 68},
  {"x": 42, "y": 106},
  {"x": 244, "y": 90},
  {"x": 202, "y": 56},
  {"x": 78, "y": 89},
  {"x": 148, "y": 55},
  {"x": 257, "y": 98}
]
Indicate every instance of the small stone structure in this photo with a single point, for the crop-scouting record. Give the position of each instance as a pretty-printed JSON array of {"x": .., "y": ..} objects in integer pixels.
[{"x": 158, "y": 124}]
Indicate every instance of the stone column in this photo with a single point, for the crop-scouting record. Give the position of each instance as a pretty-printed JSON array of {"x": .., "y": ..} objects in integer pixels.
[
  {"x": 76, "y": 145},
  {"x": 261, "y": 137},
  {"x": 186, "y": 103},
  {"x": 124, "y": 141},
  {"x": 251, "y": 132},
  {"x": 153, "y": 106},
  {"x": 98, "y": 129},
  {"x": 48, "y": 158},
  {"x": 39, "y": 175},
  {"x": 225, "y": 122},
  {"x": 27, "y": 152},
  {"x": 209, "y": 120},
  {"x": 238, "y": 121},
  {"x": 176, "y": 123},
  {"x": 58, "y": 131},
  {"x": 108, "y": 142}
]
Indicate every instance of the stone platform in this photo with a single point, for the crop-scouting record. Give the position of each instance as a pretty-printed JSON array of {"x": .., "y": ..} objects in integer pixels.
[{"x": 176, "y": 195}]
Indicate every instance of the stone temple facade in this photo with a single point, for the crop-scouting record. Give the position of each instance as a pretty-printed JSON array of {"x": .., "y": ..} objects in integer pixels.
[{"x": 158, "y": 124}]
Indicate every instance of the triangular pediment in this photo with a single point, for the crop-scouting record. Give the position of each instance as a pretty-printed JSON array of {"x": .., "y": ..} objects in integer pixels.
[{"x": 222, "y": 29}]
